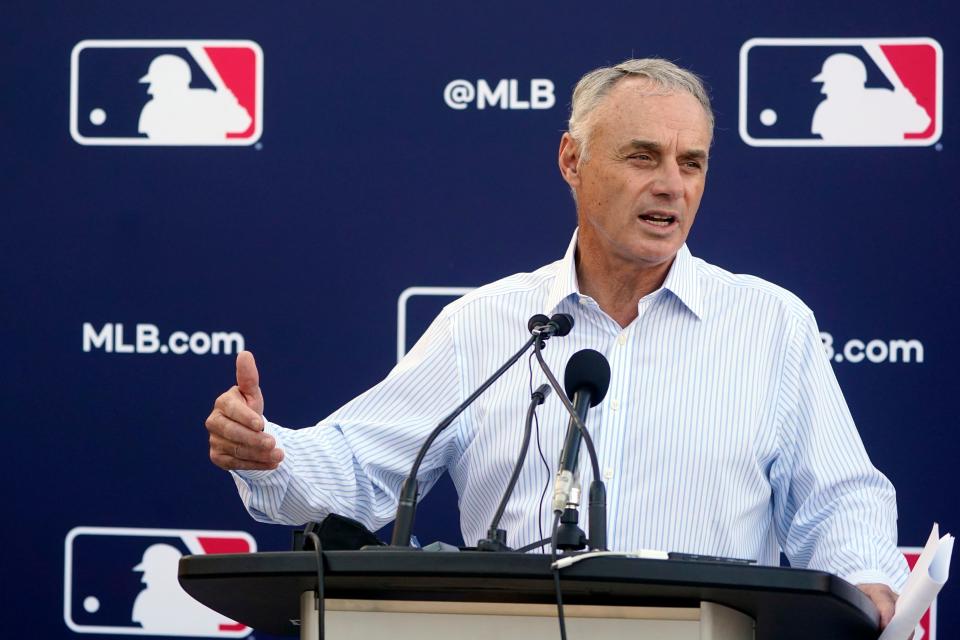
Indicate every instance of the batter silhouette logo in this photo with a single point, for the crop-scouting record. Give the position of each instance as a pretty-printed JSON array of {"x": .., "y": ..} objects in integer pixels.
[
  {"x": 166, "y": 92},
  {"x": 124, "y": 582},
  {"x": 841, "y": 92}
]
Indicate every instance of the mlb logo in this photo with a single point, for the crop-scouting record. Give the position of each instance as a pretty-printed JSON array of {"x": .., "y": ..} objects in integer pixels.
[
  {"x": 841, "y": 92},
  {"x": 417, "y": 307},
  {"x": 927, "y": 629},
  {"x": 124, "y": 581},
  {"x": 166, "y": 92}
]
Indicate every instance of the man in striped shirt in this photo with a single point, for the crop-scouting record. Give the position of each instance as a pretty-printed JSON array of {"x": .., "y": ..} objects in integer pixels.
[{"x": 724, "y": 431}]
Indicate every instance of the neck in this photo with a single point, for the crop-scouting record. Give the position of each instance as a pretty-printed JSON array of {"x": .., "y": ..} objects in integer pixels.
[{"x": 618, "y": 285}]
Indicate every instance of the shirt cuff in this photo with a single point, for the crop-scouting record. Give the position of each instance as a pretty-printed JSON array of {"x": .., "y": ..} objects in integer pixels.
[{"x": 870, "y": 576}]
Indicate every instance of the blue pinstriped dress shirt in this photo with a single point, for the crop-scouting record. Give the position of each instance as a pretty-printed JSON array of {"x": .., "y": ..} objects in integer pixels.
[{"x": 724, "y": 430}]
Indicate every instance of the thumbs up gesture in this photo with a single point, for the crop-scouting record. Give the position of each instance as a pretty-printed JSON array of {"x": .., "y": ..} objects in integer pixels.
[{"x": 236, "y": 423}]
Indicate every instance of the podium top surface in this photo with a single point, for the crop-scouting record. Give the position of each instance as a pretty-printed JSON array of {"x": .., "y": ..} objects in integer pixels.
[{"x": 262, "y": 590}]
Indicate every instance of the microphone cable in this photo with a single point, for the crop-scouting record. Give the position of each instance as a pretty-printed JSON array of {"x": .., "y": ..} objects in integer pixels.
[
  {"x": 587, "y": 440},
  {"x": 556, "y": 575},
  {"x": 537, "y": 398},
  {"x": 544, "y": 541},
  {"x": 319, "y": 603},
  {"x": 546, "y": 486},
  {"x": 537, "y": 351}
]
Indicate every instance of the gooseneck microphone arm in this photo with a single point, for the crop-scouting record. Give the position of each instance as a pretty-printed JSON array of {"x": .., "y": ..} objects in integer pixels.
[
  {"x": 587, "y": 379},
  {"x": 541, "y": 328},
  {"x": 587, "y": 440}
]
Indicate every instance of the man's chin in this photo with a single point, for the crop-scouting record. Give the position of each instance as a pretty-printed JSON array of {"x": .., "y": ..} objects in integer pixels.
[{"x": 656, "y": 252}]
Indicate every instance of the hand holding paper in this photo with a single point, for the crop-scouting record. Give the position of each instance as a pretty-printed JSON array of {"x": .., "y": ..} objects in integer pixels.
[{"x": 927, "y": 578}]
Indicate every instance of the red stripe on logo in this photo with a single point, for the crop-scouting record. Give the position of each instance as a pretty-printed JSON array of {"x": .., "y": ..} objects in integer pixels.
[
  {"x": 224, "y": 545},
  {"x": 916, "y": 65},
  {"x": 237, "y": 67},
  {"x": 925, "y": 619}
]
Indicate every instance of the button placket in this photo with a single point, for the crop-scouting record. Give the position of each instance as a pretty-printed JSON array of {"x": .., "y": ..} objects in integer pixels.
[{"x": 614, "y": 418}]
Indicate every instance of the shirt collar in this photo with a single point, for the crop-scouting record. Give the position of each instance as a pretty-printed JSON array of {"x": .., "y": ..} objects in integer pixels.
[
  {"x": 683, "y": 282},
  {"x": 682, "y": 279},
  {"x": 565, "y": 282}
]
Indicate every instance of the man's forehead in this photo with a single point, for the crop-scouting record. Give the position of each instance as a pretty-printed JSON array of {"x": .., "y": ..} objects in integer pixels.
[
  {"x": 639, "y": 109},
  {"x": 642, "y": 87}
]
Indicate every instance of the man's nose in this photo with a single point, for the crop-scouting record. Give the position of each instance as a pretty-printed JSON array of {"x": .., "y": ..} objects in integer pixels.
[{"x": 669, "y": 181}]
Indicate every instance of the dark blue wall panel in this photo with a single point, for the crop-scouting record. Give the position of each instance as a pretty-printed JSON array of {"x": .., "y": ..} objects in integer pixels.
[{"x": 364, "y": 183}]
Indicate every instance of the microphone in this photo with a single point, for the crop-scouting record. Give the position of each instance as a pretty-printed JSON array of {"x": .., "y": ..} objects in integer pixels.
[
  {"x": 586, "y": 380},
  {"x": 559, "y": 325},
  {"x": 542, "y": 328},
  {"x": 537, "y": 323}
]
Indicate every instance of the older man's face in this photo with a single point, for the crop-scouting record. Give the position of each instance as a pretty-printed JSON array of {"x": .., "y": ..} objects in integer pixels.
[{"x": 639, "y": 189}]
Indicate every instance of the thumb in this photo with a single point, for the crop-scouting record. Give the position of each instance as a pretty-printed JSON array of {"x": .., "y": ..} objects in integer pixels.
[{"x": 248, "y": 381}]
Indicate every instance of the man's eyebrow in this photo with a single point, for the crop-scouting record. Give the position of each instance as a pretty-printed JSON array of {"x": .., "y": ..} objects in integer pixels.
[
  {"x": 642, "y": 145},
  {"x": 654, "y": 147},
  {"x": 694, "y": 154}
]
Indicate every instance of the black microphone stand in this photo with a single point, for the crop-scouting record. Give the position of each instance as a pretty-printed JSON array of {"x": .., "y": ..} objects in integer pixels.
[
  {"x": 573, "y": 536},
  {"x": 542, "y": 329}
]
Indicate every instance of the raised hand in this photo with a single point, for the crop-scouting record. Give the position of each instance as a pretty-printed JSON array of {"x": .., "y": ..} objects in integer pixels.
[{"x": 236, "y": 423}]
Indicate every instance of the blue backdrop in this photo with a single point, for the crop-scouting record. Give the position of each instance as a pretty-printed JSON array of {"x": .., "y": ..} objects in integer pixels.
[{"x": 360, "y": 181}]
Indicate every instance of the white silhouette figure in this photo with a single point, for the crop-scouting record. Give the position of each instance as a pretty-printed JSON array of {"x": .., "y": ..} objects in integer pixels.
[
  {"x": 163, "y": 607},
  {"x": 179, "y": 114},
  {"x": 852, "y": 114}
]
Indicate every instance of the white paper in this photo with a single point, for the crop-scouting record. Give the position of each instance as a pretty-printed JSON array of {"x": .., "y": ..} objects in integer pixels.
[{"x": 929, "y": 575}]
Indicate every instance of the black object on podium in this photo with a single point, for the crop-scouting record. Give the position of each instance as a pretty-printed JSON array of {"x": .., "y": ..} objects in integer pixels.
[{"x": 263, "y": 590}]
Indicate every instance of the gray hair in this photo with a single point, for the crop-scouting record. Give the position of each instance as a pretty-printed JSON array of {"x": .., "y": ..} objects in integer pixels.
[{"x": 594, "y": 86}]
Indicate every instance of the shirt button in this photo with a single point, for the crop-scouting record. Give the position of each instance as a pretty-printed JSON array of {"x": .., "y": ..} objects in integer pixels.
[
  {"x": 622, "y": 339},
  {"x": 583, "y": 300},
  {"x": 608, "y": 474},
  {"x": 614, "y": 404}
]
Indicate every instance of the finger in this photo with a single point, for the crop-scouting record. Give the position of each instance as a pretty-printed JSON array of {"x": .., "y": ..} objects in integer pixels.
[
  {"x": 244, "y": 452},
  {"x": 886, "y": 614},
  {"x": 888, "y": 608},
  {"x": 883, "y": 598},
  {"x": 229, "y": 463},
  {"x": 233, "y": 405},
  {"x": 238, "y": 434},
  {"x": 248, "y": 379}
]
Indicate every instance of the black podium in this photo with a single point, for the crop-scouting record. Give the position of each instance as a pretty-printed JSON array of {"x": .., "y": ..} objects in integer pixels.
[{"x": 268, "y": 591}]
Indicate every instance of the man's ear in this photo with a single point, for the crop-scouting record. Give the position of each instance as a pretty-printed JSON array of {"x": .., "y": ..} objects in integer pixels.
[{"x": 569, "y": 160}]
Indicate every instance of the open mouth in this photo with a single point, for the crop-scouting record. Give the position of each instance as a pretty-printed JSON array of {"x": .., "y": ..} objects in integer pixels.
[{"x": 657, "y": 219}]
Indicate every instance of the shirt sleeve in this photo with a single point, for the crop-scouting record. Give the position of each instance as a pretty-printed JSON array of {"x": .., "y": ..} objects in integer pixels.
[
  {"x": 353, "y": 462},
  {"x": 833, "y": 510}
]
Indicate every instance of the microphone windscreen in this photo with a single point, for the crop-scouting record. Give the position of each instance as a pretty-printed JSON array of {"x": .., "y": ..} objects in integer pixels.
[
  {"x": 538, "y": 320},
  {"x": 587, "y": 369},
  {"x": 564, "y": 322}
]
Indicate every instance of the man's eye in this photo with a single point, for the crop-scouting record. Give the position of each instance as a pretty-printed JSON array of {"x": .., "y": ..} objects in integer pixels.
[
  {"x": 692, "y": 164},
  {"x": 640, "y": 156}
]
